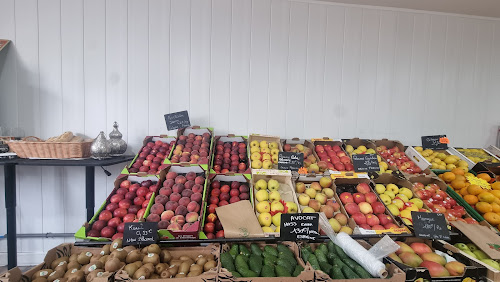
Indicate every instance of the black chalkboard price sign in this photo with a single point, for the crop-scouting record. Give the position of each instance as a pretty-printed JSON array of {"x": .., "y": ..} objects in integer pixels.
[
  {"x": 365, "y": 162},
  {"x": 435, "y": 142},
  {"x": 430, "y": 225},
  {"x": 290, "y": 161},
  {"x": 303, "y": 226},
  {"x": 177, "y": 120},
  {"x": 140, "y": 233}
]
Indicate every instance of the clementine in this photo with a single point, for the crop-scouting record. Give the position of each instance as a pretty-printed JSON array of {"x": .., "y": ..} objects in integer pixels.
[
  {"x": 470, "y": 199},
  {"x": 474, "y": 189}
]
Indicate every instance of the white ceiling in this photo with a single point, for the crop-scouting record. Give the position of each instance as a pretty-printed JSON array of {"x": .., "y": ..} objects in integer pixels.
[{"x": 484, "y": 8}]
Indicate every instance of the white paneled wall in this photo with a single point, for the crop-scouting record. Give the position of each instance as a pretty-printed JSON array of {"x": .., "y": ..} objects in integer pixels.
[{"x": 289, "y": 68}]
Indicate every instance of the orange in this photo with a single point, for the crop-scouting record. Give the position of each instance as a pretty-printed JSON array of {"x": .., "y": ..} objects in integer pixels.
[
  {"x": 474, "y": 189},
  {"x": 464, "y": 192},
  {"x": 486, "y": 197},
  {"x": 448, "y": 176},
  {"x": 458, "y": 171},
  {"x": 483, "y": 207},
  {"x": 492, "y": 218},
  {"x": 495, "y": 193},
  {"x": 461, "y": 178},
  {"x": 495, "y": 207},
  {"x": 484, "y": 176},
  {"x": 495, "y": 186},
  {"x": 470, "y": 199},
  {"x": 457, "y": 184}
]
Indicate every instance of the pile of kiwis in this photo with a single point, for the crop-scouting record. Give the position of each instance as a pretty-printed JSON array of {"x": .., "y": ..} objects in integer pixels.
[{"x": 150, "y": 262}]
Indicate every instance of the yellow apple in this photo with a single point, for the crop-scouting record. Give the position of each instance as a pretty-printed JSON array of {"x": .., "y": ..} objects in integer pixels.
[
  {"x": 370, "y": 151},
  {"x": 393, "y": 188},
  {"x": 263, "y": 207},
  {"x": 406, "y": 221},
  {"x": 308, "y": 210},
  {"x": 274, "y": 158},
  {"x": 334, "y": 224},
  {"x": 385, "y": 199},
  {"x": 276, "y": 219},
  {"x": 266, "y": 157},
  {"x": 304, "y": 199},
  {"x": 349, "y": 149},
  {"x": 261, "y": 184},
  {"x": 300, "y": 187},
  {"x": 254, "y": 150},
  {"x": 380, "y": 188},
  {"x": 267, "y": 164},
  {"x": 273, "y": 145},
  {"x": 265, "y": 219},
  {"x": 419, "y": 203},
  {"x": 311, "y": 193},
  {"x": 277, "y": 206},
  {"x": 362, "y": 148},
  {"x": 256, "y": 164},
  {"x": 263, "y": 144},
  {"x": 274, "y": 196},
  {"x": 273, "y": 185},
  {"x": 402, "y": 197},
  {"x": 265, "y": 150},
  {"x": 277, "y": 230},
  {"x": 275, "y": 152},
  {"x": 346, "y": 229},
  {"x": 390, "y": 194},
  {"x": 321, "y": 198},
  {"x": 262, "y": 195},
  {"x": 406, "y": 191},
  {"x": 328, "y": 192},
  {"x": 398, "y": 203},
  {"x": 393, "y": 209},
  {"x": 254, "y": 143},
  {"x": 255, "y": 156},
  {"x": 267, "y": 229},
  {"x": 292, "y": 207}
]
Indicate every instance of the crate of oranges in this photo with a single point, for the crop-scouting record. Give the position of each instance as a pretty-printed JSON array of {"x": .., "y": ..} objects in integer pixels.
[{"x": 479, "y": 194}]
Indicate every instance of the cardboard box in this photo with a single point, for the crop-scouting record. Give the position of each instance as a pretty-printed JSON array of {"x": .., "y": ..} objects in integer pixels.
[
  {"x": 395, "y": 274},
  {"x": 177, "y": 252},
  {"x": 345, "y": 184},
  {"x": 475, "y": 272},
  {"x": 413, "y": 154},
  {"x": 147, "y": 139},
  {"x": 307, "y": 180},
  {"x": 197, "y": 131},
  {"x": 224, "y": 180},
  {"x": 82, "y": 232},
  {"x": 193, "y": 231},
  {"x": 328, "y": 141},
  {"x": 287, "y": 192},
  {"x": 231, "y": 138},
  {"x": 269, "y": 139},
  {"x": 306, "y": 275},
  {"x": 66, "y": 249},
  {"x": 306, "y": 144}
]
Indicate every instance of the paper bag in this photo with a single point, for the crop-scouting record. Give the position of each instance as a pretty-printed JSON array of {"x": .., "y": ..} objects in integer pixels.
[
  {"x": 487, "y": 240},
  {"x": 239, "y": 220}
]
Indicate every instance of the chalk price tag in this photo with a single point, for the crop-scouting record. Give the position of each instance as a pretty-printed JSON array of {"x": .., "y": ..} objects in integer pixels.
[
  {"x": 365, "y": 162},
  {"x": 435, "y": 142},
  {"x": 290, "y": 161},
  {"x": 430, "y": 225},
  {"x": 303, "y": 226},
  {"x": 140, "y": 233},
  {"x": 177, "y": 120}
]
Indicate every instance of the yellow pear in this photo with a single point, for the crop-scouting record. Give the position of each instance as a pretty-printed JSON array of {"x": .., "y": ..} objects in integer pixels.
[
  {"x": 262, "y": 195},
  {"x": 265, "y": 219},
  {"x": 263, "y": 207}
]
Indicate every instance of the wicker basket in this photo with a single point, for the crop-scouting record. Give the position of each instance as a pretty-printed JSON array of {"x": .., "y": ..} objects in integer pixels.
[{"x": 34, "y": 147}]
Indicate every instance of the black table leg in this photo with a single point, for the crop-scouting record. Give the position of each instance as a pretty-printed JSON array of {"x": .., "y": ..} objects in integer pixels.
[
  {"x": 10, "y": 205},
  {"x": 90, "y": 190}
]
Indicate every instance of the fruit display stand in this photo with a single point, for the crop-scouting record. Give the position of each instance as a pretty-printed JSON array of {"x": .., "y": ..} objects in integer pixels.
[
  {"x": 179, "y": 207},
  {"x": 219, "y": 192},
  {"x": 150, "y": 158},
  {"x": 494, "y": 150},
  {"x": 362, "y": 204},
  {"x": 393, "y": 152},
  {"x": 364, "y": 146},
  {"x": 194, "y": 146},
  {"x": 232, "y": 158},
  {"x": 271, "y": 259},
  {"x": 312, "y": 163},
  {"x": 315, "y": 194},
  {"x": 130, "y": 200},
  {"x": 264, "y": 150},
  {"x": 397, "y": 195},
  {"x": 474, "y": 155},
  {"x": 414, "y": 251},
  {"x": 276, "y": 199},
  {"x": 440, "y": 159},
  {"x": 333, "y": 153},
  {"x": 333, "y": 267}
]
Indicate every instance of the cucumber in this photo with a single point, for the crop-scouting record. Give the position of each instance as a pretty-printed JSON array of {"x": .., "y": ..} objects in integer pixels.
[
  {"x": 348, "y": 273},
  {"x": 320, "y": 256},
  {"x": 330, "y": 257},
  {"x": 305, "y": 252},
  {"x": 336, "y": 273},
  {"x": 340, "y": 252},
  {"x": 323, "y": 248},
  {"x": 244, "y": 251},
  {"x": 255, "y": 249},
  {"x": 267, "y": 271},
  {"x": 297, "y": 271},
  {"x": 234, "y": 251},
  {"x": 271, "y": 250},
  {"x": 351, "y": 263},
  {"x": 235, "y": 274},
  {"x": 290, "y": 260},
  {"x": 325, "y": 267},
  {"x": 227, "y": 261},
  {"x": 362, "y": 272},
  {"x": 284, "y": 249},
  {"x": 338, "y": 262},
  {"x": 282, "y": 272},
  {"x": 255, "y": 263},
  {"x": 331, "y": 247},
  {"x": 313, "y": 261}
]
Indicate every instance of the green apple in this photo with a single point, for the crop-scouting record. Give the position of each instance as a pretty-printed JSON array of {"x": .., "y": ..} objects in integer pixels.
[
  {"x": 304, "y": 199},
  {"x": 273, "y": 185},
  {"x": 462, "y": 246},
  {"x": 292, "y": 207},
  {"x": 386, "y": 199},
  {"x": 263, "y": 207},
  {"x": 261, "y": 195},
  {"x": 277, "y": 206},
  {"x": 470, "y": 253},
  {"x": 491, "y": 263},
  {"x": 472, "y": 247},
  {"x": 261, "y": 185},
  {"x": 265, "y": 219},
  {"x": 480, "y": 254}
]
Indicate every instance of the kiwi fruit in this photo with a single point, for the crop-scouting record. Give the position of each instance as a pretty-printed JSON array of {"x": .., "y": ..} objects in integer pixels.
[
  {"x": 154, "y": 276},
  {"x": 151, "y": 258},
  {"x": 194, "y": 273},
  {"x": 105, "y": 250},
  {"x": 130, "y": 268},
  {"x": 144, "y": 250},
  {"x": 141, "y": 273},
  {"x": 173, "y": 269},
  {"x": 180, "y": 275},
  {"x": 209, "y": 265},
  {"x": 138, "y": 263},
  {"x": 184, "y": 267},
  {"x": 159, "y": 268},
  {"x": 134, "y": 256},
  {"x": 154, "y": 248},
  {"x": 73, "y": 257},
  {"x": 84, "y": 258},
  {"x": 201, "y": 260},
  {"x": 209, "y": 257},
  {"x": 128, "y": 249},
  {"x": 175, "y": 262},
  {"x": 43, "y": 273},
  {"x": 94, "y": 274},
  {"x": 165, "y": 256},
  {"x": 104, "y": 259},
  {"x": 61, "y": 279},
  {"x": 196, "y": 267},
  {"x": 40, "y": 279},
  {"x": 166, "y": 274},
  {"x": 62, "y": 266},
  {"x": 78, "y": 276},
  {"x": 150, "y": 267},
  {"x": 119, "y": 254},
  {"x": 71, "y": 271},
  {"x": 73, "y": 264},
  {"x": 55, "y": 275},
  {"x": 95, "y": 258},
  {"x": 93, "y": 266},
  {"x": 59, "y": 261},
  {"x": 116, "y": 244},
  {"x": 112, "y": 265}
]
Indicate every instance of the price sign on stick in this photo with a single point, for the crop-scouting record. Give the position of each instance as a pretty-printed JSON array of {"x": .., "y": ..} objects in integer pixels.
[
  {"x": 140, "y": 233},
  {"x": 303, "y": 226},
  {"x": 430, "y": 225},
  {"x": 177, "y": 120},
  {"x": 435, "y": 142}
]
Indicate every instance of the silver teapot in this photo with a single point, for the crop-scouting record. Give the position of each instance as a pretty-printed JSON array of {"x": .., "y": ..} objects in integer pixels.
[
  {"x": 100, "y": 148},
  {"x": 116, "y": 143}
]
